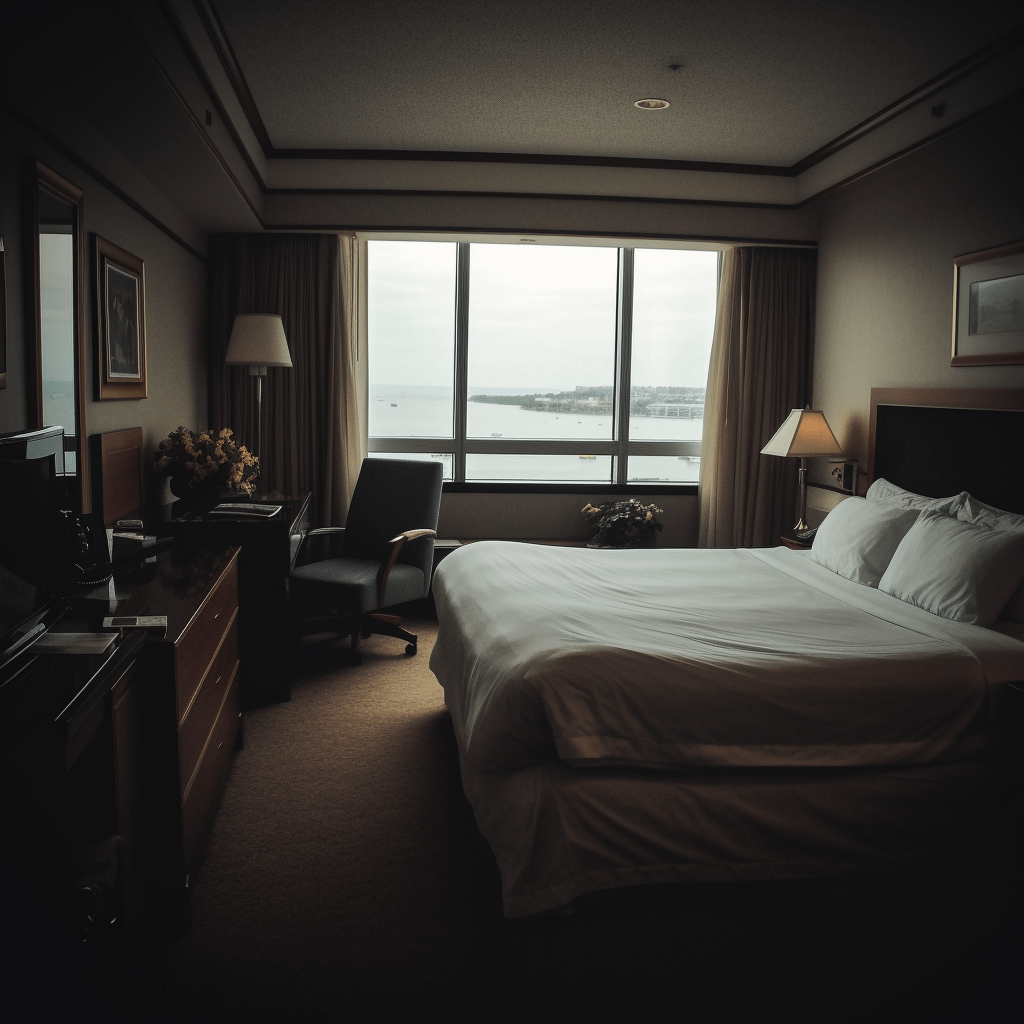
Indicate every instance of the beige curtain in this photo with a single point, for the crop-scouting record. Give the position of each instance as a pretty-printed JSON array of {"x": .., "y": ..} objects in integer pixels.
[
  {"x": 312, "y": 411},
  {"x": 760, "y": 370}
]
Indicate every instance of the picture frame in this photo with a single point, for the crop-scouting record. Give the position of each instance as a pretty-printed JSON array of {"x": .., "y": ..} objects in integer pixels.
[
  {"x": 120, "y": 322},
  {"x": 988, "y": 307}
]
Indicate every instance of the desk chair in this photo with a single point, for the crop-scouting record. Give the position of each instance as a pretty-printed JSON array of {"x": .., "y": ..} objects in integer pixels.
[{"x": 383, "y": 556}]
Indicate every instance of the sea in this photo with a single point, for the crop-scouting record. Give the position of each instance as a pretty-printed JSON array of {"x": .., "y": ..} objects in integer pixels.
[{"x": 420, "y": 412}]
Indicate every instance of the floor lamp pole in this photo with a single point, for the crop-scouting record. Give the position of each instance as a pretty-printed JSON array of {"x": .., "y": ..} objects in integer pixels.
[{"x": 258, "y": 372}]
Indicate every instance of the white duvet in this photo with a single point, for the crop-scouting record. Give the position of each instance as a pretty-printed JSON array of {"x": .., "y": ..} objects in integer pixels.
[{"x": 676, "y": 658}]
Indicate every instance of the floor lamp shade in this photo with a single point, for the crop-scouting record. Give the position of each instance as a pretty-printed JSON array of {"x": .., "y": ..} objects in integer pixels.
[
  {"x": 804, "y": 434},
  {"x": 258, "y": 341}
]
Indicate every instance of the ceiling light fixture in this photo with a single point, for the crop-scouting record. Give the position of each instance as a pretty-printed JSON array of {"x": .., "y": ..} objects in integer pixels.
[{"x": 651, "y": 104}]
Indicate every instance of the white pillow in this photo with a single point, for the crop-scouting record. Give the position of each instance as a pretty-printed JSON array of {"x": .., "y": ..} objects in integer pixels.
[
  {"x": 974, "y": 511},
  {"x": 858, "y": 537},
  {"x": 957, "y": 569},
  {"x": 883, "y": 490}
]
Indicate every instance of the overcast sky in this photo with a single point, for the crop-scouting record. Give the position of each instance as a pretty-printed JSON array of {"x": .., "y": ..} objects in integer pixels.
[{"x": 541, "y": 317}]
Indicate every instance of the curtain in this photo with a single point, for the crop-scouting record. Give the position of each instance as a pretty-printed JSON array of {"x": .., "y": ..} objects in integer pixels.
[
  {"x": 760, "y": 370},
  {"x": 311, "y": 412}
]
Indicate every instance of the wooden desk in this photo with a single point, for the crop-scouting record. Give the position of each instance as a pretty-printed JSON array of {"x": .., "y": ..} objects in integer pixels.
[
  {"x": 127, "y": 751},
  {"x": 269, "y": 547}
]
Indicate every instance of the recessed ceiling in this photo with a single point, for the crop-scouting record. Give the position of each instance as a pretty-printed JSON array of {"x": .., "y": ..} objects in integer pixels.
[{"x": 749, "y": 82}]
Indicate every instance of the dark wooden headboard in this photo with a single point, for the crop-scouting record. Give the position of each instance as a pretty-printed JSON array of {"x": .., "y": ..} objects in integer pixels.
[
  {"x": 940, "y": 441},
  {"x": 117, "y": 474}
]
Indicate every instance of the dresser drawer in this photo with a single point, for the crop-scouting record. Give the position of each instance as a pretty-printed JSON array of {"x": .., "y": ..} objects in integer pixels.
[
  {"x": 198, "y": 644},
  {"x": 199, "y": 801},
  {"x": 201, "y": 715}
]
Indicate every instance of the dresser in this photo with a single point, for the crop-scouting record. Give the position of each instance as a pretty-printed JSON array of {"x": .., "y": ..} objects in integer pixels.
[
  {"x": 268, "y": 548},
  {"x": 190, "y": 716}
]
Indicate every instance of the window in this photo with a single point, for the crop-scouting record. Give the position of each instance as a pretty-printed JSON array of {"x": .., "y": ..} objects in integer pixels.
[{"x": 519, "y": 363}]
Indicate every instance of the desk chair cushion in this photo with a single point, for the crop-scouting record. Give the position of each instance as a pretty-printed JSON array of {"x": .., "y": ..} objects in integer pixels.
[{"x": 350, "y": 584}]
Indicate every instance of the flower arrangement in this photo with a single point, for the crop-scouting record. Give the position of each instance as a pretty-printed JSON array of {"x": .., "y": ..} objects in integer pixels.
[
  {"x": 622, "y": 523},
  {"x": 205, "y": 462}
]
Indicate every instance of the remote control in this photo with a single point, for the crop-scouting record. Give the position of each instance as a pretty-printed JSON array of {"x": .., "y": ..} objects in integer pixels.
[{"x": 156, "y": 624}]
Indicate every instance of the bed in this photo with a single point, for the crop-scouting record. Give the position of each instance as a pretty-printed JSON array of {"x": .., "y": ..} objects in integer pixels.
[{"x": 656, "y": 716}]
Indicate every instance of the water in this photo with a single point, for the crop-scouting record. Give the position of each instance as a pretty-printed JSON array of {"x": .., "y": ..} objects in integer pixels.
[{"x": 408, "y": 413}]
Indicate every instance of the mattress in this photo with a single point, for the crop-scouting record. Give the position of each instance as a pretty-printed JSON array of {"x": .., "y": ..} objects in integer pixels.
[
  {"x": 678, "y": 658},
  {"x": 631, "y": 717}
]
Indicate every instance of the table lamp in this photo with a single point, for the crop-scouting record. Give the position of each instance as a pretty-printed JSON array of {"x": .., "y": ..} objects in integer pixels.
[
  {"x": 258, "y": 341},
  {"x": 804, "y": 434}
]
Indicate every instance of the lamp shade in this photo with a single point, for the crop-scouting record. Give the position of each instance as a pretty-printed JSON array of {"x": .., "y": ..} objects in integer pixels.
[
  {"x": 804, "y": 434},
  {"x": 257, "y": 339}
]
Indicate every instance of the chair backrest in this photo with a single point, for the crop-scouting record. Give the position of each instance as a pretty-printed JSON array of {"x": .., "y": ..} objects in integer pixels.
[{"x": 391, "y": 496}]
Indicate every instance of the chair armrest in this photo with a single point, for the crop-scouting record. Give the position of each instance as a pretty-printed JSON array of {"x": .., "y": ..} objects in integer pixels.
[
  {"x": 385, "y": 566},
  {"x": 319, "y": 544},
  {"x": 413, "y": 535}
]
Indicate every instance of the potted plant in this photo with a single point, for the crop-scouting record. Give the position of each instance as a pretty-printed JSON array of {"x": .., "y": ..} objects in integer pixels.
[
  {"x": 622, "y": 524},
  {"x": 202, "y": 464}
]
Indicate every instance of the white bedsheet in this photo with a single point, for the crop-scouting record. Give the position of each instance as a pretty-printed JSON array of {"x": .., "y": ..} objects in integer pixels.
[{"x": 676, "y": 658}]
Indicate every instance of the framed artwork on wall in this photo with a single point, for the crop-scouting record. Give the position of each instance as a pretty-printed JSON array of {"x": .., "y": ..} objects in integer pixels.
[
  {"x": 121, "y": 322},
  {"x": 988, "y": 307}
]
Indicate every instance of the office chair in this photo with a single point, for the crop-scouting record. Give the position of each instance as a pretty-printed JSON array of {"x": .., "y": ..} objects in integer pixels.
[{"x": 383, "y": 556}]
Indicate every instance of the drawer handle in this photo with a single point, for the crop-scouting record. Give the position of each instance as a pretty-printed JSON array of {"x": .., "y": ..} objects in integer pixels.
[
  {"x": 221, "y": 744},
  {"x": 216, "y": 681}
]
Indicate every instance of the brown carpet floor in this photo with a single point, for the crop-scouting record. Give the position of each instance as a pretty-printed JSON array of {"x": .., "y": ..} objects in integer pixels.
[{"x": 345, "y": 881}]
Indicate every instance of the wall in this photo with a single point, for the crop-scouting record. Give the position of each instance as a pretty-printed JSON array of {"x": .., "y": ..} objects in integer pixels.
[
  {"x": 885, "y": 267},
  {"x": 175, "y": 303}
]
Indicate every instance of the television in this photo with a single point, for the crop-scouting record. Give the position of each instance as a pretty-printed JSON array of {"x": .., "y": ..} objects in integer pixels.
[{"x": 32, "y": 536}]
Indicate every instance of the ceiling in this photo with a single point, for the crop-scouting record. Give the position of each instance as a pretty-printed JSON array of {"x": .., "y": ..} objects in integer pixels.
[
  {"x": 748, "y": 82},
  {"x": 221, "y": 115}
]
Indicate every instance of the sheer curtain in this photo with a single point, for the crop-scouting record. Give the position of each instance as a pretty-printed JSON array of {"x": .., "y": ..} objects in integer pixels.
[
  {"x": 312, "y": 413},
  {"x": 760, "y": 370}
]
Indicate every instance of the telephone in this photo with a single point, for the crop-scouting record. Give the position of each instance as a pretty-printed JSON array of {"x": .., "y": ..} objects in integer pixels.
[{"x": 81, "y": 561}]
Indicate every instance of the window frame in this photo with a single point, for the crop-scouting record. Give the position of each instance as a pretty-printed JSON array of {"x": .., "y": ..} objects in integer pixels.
[{"x": 619, "y": 447}]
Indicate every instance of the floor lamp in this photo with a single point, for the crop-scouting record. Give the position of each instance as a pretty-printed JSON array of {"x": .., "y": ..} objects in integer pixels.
[
  {"x": 804, "y": 434},
  {"x": 258, "y": 341}
]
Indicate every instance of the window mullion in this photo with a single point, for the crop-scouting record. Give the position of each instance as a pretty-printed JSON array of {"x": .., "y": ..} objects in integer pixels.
[
  {"x": 461, "y": 359},
  {"x": 623, "y": 342}
]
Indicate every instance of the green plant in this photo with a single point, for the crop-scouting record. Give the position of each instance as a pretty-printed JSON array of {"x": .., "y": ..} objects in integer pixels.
[{"x": 625, "y": 522}]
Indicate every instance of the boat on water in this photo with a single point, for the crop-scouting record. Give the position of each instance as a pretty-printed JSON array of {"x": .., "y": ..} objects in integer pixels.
[{"x": 394, "y": 405}]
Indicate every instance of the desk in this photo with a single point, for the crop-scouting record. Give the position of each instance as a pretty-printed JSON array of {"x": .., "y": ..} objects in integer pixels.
[
  {"x": 134, "y": 743},
  {"x": 269, "y": 547}
]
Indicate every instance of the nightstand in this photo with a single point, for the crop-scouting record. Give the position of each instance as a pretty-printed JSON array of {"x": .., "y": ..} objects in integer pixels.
[{"x": 792, "y": 542}]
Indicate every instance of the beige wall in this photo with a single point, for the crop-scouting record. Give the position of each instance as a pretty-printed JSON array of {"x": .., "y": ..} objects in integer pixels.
[
  {"x": 175, "y": 304},
  {"x": 885, "y": 268}
]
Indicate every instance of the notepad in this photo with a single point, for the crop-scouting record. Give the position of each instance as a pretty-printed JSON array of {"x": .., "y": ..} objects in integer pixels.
[
  {"x": 73, "y": 643},
  {"x": 241, "y": 509}
]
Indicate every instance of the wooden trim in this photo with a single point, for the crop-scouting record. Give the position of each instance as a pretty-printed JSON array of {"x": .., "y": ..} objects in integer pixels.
[
  {"x": 938, "y": 398},
  {"x": 973, "y": 62},
  {"x": 229, "y": 62},
  {"x": 101, "y": 179}
]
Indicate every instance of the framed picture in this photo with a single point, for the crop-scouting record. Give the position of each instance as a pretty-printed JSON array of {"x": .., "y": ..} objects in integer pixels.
[
  {"x": 121, "y": 322},
  {"x": 988, "y": 307}
]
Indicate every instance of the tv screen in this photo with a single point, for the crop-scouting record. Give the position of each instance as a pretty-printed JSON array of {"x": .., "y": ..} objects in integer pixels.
[{"x": 32, "y": 531}]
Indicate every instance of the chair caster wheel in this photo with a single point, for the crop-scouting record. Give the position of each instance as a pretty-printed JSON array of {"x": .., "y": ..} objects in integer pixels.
[{"x": 410, "y": 649}]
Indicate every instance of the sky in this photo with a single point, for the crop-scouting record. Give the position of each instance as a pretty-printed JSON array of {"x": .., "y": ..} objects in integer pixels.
[{"x": 541, "y": 317}]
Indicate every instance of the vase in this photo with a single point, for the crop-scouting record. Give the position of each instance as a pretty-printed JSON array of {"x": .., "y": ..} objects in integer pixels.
[{"x": 205, "y": 491}]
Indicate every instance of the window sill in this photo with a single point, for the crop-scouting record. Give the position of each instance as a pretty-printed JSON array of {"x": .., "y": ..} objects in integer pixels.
[{"x": 652, "y": 487}]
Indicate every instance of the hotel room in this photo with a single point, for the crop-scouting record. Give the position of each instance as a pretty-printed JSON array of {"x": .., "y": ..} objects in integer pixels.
[{"x": 885, "y": 138}]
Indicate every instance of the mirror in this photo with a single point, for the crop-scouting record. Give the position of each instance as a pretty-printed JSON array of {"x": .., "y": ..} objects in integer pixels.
[{"x": 56, "y": 330}]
